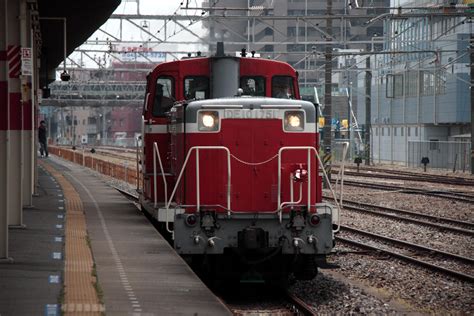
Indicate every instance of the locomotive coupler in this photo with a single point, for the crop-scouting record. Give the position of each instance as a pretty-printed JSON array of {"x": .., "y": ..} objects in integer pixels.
[
  {"x": 252, "y": 238},
  {"x": 209, "y": 222},
  {"x": 298, "y": 220}
]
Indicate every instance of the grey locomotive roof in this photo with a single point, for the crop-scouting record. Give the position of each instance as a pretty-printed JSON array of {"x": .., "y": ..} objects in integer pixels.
[{"x": 250, "y": 103}]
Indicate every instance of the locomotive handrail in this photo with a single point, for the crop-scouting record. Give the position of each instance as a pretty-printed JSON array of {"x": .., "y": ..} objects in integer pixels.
[
  {"x": 156, "y": 152},
  {"x": 197, "y": 148},
  {"x": 345, "y": 147},
  {"x": 309, "y": 149},
  {"x": 292, "y": 202},
  {"x": 138, "y": 163}
]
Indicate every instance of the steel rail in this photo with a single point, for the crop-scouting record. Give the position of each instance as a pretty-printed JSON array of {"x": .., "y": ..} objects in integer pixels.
[
  {"x": 113, "y": 155},
  {"x": 407, "y": 219},
  {"x": 300, "y": 305},
  {"x": 441, "y": 194},
  {"x": 410, "y": 245},
  {"x": 426, "y": 216},
  {"x": 466, "y": 181},
  {"x": 415, "y": 178},
  {"x": 452, "y": 273}
]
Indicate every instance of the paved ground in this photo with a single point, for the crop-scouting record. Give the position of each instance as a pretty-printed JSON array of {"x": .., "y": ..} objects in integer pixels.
[
  {"x": 31, "y": 284},
  {"x": 138, "y": 271}
]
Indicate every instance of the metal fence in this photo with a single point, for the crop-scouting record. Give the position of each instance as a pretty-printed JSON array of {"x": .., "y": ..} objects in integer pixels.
[
  {"x": 129, "y": 142},
  {"x": 441, "y": 154}
]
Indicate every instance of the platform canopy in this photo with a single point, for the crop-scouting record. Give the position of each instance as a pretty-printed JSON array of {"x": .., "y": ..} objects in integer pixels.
[{"x": 82, "y": 17}]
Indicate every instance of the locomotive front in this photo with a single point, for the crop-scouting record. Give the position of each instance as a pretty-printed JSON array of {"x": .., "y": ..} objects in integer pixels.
[{"x": 247, "y": 195}]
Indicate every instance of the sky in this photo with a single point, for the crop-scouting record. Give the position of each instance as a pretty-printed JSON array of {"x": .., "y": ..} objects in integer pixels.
[{"x": 142, "y": 38}]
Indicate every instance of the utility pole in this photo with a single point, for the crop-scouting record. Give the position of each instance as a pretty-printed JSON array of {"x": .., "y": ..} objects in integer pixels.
[
  {"x": 471, "y": 48},
  {"x": 327, "y": 95},
  {"x": 368, "y": 112}
]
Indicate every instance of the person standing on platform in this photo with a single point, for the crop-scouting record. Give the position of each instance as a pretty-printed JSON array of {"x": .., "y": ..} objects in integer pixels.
[{"x": 43, "y": 139}]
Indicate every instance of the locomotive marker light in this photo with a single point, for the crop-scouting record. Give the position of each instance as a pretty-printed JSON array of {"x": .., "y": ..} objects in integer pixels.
[
  {"x": 314, "y": 220},
  {"x": 191, "y": 220}
]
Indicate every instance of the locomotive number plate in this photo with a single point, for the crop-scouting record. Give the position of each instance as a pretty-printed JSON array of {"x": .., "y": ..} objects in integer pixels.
[{"x": 251, "y": 114}]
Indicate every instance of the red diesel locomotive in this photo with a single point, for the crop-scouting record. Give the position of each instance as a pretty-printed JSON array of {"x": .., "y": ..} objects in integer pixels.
[{"x": 230, "y": 168}]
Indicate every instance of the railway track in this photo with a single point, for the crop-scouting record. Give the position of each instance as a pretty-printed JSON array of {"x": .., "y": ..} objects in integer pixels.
[
  {"x": 115, "y": 155},
  {"x": 435, "y": 260},
  {"x": 451, "y": 195},
  {"x": 407, "y": 176},
  {"x": 443, "y": 224},
  {"x": 286, "y": 304}
]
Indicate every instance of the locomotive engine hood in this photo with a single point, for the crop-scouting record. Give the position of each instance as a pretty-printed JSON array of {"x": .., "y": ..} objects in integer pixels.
[{"x": 241, "y": 107}]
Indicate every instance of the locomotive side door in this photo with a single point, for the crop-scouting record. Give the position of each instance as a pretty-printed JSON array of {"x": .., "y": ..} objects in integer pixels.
[{"x": 161, "y": 96}]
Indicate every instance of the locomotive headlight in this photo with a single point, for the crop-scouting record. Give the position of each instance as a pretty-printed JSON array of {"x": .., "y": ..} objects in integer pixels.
[
  {"x": 208, "y": 121},
  {"x": 294, "y": 121}
]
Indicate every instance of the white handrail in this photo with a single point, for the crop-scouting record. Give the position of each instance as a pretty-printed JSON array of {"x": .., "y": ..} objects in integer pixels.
[
  {"x": 156, "y": 152},
  {"x": 345, "y": 147},
  {"x": 293, "y": 202},
  {"x": 138, "y": 164},
  {"x": 332, "y": 191},
  {"x": 197, "y": 148},
  {"x": 309, "y": 149}
]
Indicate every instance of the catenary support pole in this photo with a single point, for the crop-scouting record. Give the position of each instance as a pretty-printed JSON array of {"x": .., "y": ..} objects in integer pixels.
[
  {"x": 327, "y": 95},
  {"x": 368, "y": 112},
  {"x": 471, "y": 47}
]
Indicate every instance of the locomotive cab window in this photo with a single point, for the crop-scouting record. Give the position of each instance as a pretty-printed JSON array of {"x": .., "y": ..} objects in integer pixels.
[
  {"x": 196, "y": 88},
  {"x": 254, "y": 86},
  {"x": 283, "y": 87},
  {"x": 164, "y": 96}
]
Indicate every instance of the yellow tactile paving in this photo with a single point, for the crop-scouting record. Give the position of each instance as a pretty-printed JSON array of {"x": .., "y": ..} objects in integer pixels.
[{"x": 80, "y": 294}]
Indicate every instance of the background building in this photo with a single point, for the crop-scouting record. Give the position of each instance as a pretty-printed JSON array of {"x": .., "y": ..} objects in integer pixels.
[{"x": 422, "y": 97}]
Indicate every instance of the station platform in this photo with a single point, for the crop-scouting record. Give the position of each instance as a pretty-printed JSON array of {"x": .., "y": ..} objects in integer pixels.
[{"x": 86, "y": 250}]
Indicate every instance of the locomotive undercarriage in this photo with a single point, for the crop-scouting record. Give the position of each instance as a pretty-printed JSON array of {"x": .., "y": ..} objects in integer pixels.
[
  {"x": 256, "y": 246},
  {"x": 266, "y": 265}
]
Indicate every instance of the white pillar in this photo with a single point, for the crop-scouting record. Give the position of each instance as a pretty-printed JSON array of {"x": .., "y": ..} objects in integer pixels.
[
  {"x": 3, "y": 136},
  {"x": 26, "y": 104},
  {"x": 15, "y": 157}
]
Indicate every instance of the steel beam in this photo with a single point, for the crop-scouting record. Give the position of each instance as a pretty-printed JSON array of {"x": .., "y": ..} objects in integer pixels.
[{"x": 291, "y": 17}]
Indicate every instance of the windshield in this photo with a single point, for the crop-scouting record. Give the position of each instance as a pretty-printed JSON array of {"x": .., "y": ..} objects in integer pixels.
[{"x": 282, "y": 87}]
